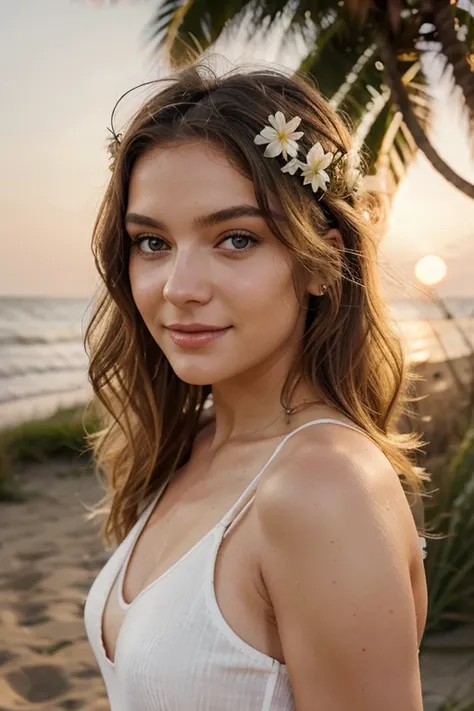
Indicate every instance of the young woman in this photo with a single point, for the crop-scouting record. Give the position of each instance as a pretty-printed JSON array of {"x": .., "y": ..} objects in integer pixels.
[{"x": 268, "y": 556}]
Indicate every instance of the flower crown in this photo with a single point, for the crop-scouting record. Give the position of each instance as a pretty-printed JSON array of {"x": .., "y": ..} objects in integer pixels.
[{"x": 281, "y": 137}]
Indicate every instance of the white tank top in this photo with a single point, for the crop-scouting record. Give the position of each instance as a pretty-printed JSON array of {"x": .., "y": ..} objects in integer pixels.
[{"x": 175, "y": 651}]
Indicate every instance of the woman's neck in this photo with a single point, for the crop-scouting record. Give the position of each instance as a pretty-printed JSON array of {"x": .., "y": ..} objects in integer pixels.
[{"x": 252, "y": 413}]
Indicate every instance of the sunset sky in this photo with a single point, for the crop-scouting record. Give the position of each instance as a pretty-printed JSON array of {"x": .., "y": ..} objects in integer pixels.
[{"x": 63, "y": 64}]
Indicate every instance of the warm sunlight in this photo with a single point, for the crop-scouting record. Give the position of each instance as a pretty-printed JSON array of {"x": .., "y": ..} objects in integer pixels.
[{"x": 430, "y": 270}]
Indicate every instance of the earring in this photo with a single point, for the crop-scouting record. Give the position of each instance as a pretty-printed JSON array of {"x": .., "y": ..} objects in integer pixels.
[
  {"x": 288, "y": 412},
  {"x": 324, "y": 289}
]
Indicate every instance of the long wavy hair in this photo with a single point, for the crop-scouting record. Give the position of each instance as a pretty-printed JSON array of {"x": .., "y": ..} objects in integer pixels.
[{"x": 149, "y": 417}]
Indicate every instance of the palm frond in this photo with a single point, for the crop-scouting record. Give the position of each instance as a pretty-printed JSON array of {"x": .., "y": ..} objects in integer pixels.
[
  {"x": 452, "y": 39},
  {"x": 336, "y": 56},
  {"x": 177, "y": 21},
  {"x": 389, "y": 145},
  {"x": 355, "y": 87}
]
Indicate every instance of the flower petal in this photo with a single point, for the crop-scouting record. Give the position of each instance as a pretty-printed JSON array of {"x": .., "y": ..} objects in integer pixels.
[
  {"x": 272, "y": 122},
  {"x": 293, "y": 124},
  {"x": 318, "y": 183},
  {"x": 292, "y": 148},
  {"x": 280, "y": 121},
  {"x": 325, "y": 161},
  {"x": 273, "y": 149},
  {"x": 292, "y": 166},
  {"x": 260, "y": 140},
  {"x": 296, "y": 135},
  {"x": 315, "y": 183},
  {"x": 315, "y": 154},
  {"x": 324, "y": 176},
  {"x": 269, "y": 133}
]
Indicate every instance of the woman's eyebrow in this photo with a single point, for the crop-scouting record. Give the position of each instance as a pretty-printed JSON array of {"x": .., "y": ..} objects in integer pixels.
[{"x": 214, "y": 218}]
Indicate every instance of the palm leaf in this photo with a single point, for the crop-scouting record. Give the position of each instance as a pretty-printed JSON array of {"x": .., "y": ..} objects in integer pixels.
[
  {"x": 389, "y": 144},
  {"x": 355, "y": 86},
  {"x": 176, "y": 21},
  {"x": 452, "y": 39}
]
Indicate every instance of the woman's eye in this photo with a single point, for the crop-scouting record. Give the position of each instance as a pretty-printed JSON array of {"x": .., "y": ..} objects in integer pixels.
[
  {"x": 150, "y": 244},
  {"x": 239, "y": 242}
]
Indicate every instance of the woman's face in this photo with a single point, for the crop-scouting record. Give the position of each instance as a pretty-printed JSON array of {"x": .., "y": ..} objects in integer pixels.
[{"x": 202, "y": 257}]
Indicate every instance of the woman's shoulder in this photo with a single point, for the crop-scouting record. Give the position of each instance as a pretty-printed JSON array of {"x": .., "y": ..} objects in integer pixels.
[
  {"x": 330, "y": 457},
  {"x": 333, "y": 451},
  {"x": 331, "y": 474}
]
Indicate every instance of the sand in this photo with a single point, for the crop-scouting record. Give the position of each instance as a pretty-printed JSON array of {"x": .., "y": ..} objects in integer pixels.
[{"x": 49, "y": 556}]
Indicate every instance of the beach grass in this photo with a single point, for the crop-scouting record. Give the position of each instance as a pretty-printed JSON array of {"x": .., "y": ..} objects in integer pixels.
[
  {"x": 60, "y": 435},
  {"x": 450, "y": 560}
]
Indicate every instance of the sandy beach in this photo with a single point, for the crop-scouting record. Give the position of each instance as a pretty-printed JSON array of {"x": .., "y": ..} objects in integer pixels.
[{"x": 49, "y": 557}]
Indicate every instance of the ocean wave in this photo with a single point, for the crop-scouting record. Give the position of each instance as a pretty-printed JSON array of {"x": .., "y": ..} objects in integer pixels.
[{"x": 67, "y": 335}]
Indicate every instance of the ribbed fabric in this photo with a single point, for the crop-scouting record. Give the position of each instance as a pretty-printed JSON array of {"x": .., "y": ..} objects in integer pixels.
[{"x": 175, "y": 650}]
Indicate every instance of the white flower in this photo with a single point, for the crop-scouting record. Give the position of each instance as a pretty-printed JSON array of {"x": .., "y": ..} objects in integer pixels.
[
  {"x": 423, "y": 546},
  {"x": 281, "y": 136},
  {"x": 314, "y": 170},
  {"x": 292, "y": 166}
]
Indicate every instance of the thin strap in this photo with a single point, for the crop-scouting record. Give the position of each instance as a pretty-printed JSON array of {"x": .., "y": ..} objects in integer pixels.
[{"x": 244, "y": 501}]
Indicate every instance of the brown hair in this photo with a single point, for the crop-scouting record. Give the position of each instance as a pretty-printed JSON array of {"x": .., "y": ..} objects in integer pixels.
[{"x": 150, "y": 417}]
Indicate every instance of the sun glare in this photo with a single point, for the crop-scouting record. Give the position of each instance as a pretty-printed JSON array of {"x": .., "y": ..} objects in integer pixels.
[{"x": 430, "y": 270}]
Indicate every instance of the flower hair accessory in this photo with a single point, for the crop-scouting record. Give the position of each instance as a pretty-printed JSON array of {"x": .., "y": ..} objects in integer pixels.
[{"x": 282, "y": 138}]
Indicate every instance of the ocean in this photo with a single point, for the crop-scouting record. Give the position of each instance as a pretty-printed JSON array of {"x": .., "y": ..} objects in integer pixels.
[{"x": 43, "y": 364}]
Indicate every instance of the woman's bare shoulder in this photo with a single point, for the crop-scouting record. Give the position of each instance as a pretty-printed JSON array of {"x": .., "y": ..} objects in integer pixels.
[{"x": 329, "y": 470}]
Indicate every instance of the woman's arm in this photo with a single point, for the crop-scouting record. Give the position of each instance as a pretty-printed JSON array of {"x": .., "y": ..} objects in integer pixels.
[{"x": 337, "y": 545}]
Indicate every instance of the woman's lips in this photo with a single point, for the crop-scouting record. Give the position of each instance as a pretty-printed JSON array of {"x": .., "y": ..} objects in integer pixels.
[{"x": 195, "y": 339}]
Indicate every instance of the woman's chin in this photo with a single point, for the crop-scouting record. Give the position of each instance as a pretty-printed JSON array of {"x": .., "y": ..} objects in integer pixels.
[{"x": 197, "y": 376}]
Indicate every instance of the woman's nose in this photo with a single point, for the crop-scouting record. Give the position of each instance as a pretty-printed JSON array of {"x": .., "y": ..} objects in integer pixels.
[{"x": 187, "y": 281}]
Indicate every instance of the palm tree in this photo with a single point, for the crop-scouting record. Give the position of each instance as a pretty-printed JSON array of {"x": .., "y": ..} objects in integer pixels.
[{"x": 365, "y": 55}]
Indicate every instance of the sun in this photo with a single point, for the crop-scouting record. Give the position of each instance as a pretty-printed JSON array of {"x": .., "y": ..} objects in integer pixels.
[{"x": 431, "y": 270}]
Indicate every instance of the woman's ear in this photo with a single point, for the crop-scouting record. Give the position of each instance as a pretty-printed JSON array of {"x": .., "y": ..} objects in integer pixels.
[
  {"x": 334, "y": 237},
  {"x": 316, "y": 284}
]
